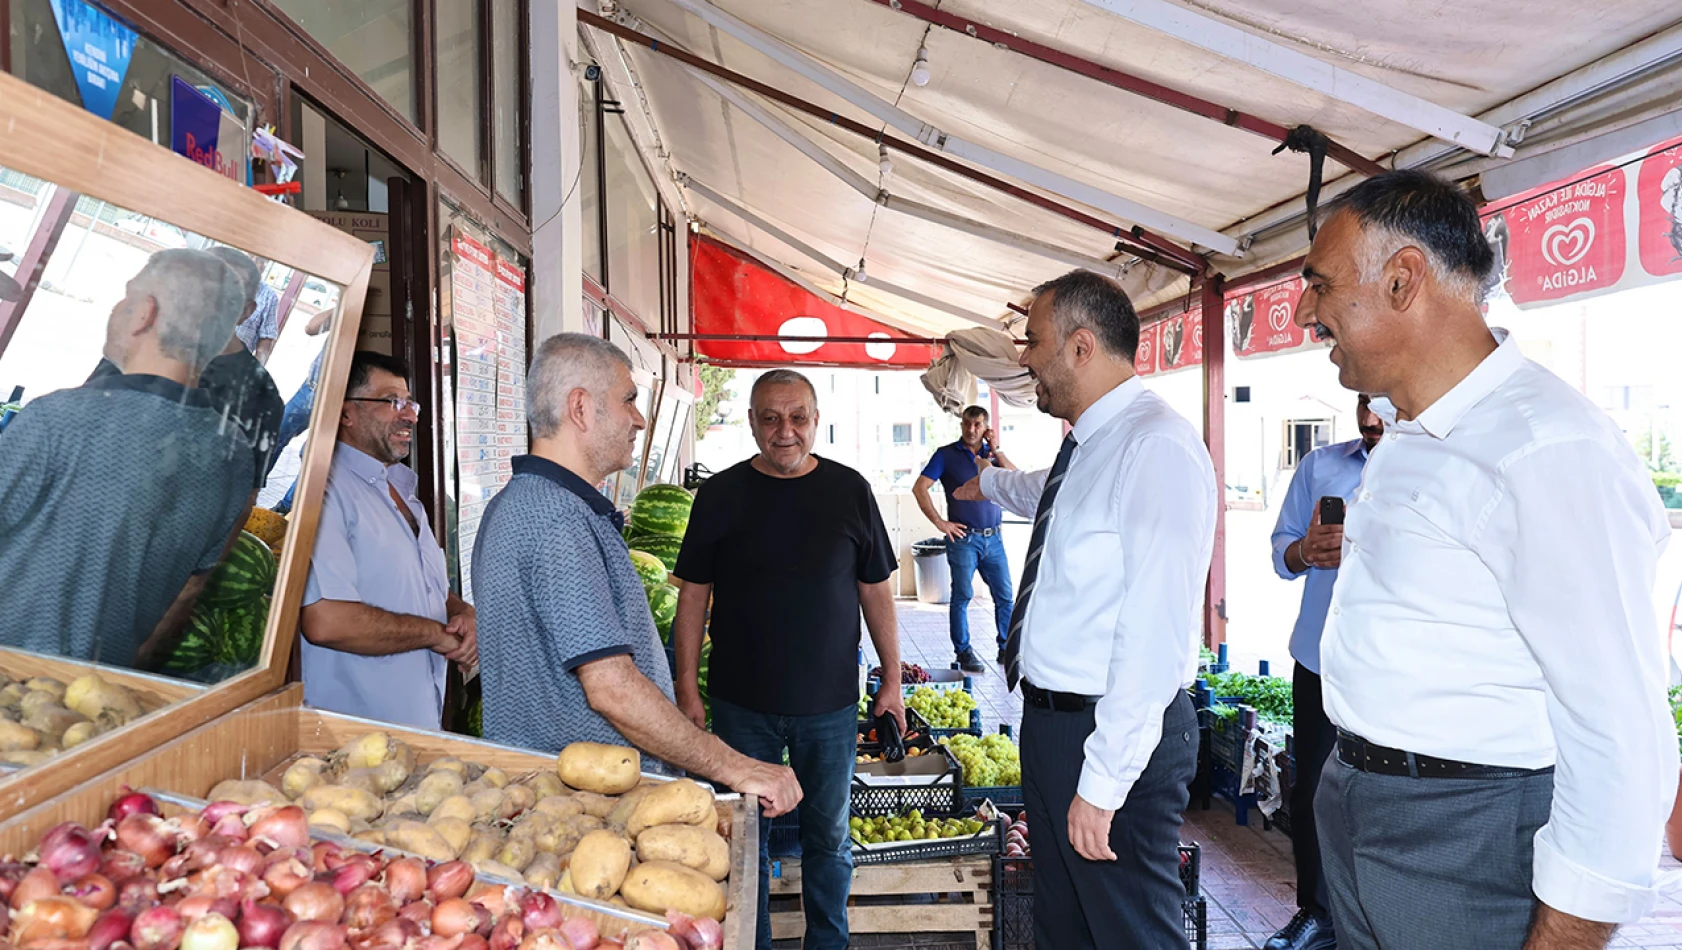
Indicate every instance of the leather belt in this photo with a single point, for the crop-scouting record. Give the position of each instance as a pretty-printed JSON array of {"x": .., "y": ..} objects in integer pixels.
[
  {"x": 983, "y": 532},
  {"x": 1055, "y": 701},
  {"x": 1363, "y": 756}
]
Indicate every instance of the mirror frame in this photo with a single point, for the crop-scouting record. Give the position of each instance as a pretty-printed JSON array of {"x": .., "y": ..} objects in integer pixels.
[{"x": 54, "y": 140}]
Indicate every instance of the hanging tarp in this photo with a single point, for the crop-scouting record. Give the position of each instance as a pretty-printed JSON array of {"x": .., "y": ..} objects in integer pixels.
[
  {"x": 978, "y": 353},
  {"x": 734, "y": 295}
]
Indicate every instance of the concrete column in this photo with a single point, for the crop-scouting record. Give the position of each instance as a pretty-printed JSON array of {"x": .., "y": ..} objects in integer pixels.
[{"x": 557, "y": 270}]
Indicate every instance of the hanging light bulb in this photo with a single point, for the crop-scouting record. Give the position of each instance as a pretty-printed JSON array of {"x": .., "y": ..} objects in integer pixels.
[
  {"x": 884, "y": 163},
  {"x": 920, "y": 69},
  {"x": 859, "y": 274}
]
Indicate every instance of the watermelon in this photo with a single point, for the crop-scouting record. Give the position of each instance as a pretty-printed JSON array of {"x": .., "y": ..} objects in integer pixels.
[
  {"x": 661, "y": 509},
  {"x": 242, "y": 634},
  {"x": 649, "y": 568},
  {"x": 662, "y": 602},
  {"x": 197, "y": 647},
  {"x": 245, "y": 574},
  {"x": 662, "y": 546}
]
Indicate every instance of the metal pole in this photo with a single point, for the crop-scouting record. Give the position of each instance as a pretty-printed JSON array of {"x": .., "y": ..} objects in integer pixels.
[{"x": 1214, "y": 436}]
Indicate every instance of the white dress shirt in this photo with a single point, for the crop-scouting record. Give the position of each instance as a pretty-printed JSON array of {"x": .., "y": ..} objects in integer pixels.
[
  {"x": 1494, "y": 606},
  {"x": 1115, "y": 606}
]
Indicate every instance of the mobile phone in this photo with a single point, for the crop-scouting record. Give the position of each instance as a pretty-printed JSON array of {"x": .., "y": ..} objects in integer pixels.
[{"x": 1331, "y": 509}]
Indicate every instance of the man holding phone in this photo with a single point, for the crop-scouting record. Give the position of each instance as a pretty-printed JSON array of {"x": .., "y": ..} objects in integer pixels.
[
  {"x": 973, "y": 541},
  {"x": 1308, "y": 542}
]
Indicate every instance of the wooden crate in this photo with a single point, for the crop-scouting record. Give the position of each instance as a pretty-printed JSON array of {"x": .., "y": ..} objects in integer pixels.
[
  {"x": 951, "y": 896},
  {"x": 259, "y": 739}
]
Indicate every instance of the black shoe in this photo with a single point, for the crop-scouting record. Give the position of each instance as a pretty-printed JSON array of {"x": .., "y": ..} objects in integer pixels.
[
  {"x": 1306, "y": 931},
  {"x": 1001, "y": 657},
  {"x": 970, "y": 663}
]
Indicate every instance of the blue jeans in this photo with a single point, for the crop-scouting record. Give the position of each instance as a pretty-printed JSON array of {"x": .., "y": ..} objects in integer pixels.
[
  {"x": 964, "y": 556},
  {"x": 293, "y": 422},
  {"x": 821, "y": 750}
]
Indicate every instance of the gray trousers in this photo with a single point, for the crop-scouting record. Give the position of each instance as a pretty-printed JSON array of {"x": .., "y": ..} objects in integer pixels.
[
  {"x": 1133, "y": 901},
  {"x": 1430, "y": 863}
]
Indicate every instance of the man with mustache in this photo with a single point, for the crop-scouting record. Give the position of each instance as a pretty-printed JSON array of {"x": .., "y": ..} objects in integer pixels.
[
  {"x": 1103, "y": 636},
  {"x": 379, "y": 618},
  {"x": 1304, "y": 547},
  {"x": 791, "y": 549},
  {"x": 1505, "y": 758}
]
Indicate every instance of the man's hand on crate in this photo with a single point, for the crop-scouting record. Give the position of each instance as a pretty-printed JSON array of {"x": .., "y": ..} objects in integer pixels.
[{"x": 1089, "y": 830}]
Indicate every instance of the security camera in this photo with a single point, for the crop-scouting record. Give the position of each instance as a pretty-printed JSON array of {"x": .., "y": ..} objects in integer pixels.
[{"x": 593, "y": 73}]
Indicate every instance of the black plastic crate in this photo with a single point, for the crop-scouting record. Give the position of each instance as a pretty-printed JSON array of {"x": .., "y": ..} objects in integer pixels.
[
  {"x": 1013, "y": 902},
  {"x": 941, "y": 794},
  {"x": 1004, "y": 796},
  {"x": 992, "y": 844}
]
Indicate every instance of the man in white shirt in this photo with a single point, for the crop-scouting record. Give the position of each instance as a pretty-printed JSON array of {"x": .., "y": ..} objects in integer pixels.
[
  {"x": 1102, "y": 637},
  {"x": 1505, "y": 757}
]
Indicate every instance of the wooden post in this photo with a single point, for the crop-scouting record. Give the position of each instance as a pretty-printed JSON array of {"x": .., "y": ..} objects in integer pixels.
[
  {"x": 32, "y": 263},
  {"x": 1214, "y": 436}
]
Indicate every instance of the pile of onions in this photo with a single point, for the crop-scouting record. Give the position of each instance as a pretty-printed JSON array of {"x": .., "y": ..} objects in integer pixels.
[{"x": 234, "y": 877}]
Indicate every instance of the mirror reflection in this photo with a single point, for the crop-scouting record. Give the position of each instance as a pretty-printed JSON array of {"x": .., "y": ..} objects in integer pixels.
[{"x": 157, "y": 386}]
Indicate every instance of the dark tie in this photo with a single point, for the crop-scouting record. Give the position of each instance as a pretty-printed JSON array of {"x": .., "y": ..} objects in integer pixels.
[{"x": 1031, "y": 570}]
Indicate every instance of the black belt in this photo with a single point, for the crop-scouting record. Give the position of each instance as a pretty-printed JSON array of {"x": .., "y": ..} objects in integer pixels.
[
  {"x": 983, "y": 532},
  {"x": 1057, "y": 702},
  {"x": 1359, "y": 754}
]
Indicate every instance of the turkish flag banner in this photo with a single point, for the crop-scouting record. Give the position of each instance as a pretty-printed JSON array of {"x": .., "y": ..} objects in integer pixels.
[
  {"x": 1566, "y": 241},
  {"x": 735, "y": 295},
  {"x": 1658, "y": 190},
  {"x": 1150, "y": 344}
]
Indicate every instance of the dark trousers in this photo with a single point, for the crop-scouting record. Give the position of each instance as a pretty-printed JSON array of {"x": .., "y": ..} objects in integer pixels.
[
  {"x": 1135, "y": 900},
  {"x": 821, "y": 751},
  {"x": 1430, "y": 863},
  {"x": 1314, "y": 739}
]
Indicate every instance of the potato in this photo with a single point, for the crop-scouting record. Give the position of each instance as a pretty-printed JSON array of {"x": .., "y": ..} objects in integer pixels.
[
  {"x": 352, "y": 802},
  {"x": 373, "y": 836},
  {"x": 26, "y": 757},
  {"x": 604, "y": 769},
  {"x": 456, "y": 831},
  {"x": 681, "y": 802},
  {"x": 688, "y": 845},
  {"x": 599, "y": 864},
  {"x": 544, "y": 871},
  {"x": 659, "y": 886},
  {"x": 449, "y": 763},
  {"x": 437, "y": 786},
  {"x": 303, "y": 775},
  {"x": 51, "y": 719},
  {"x": 628, "y": 802},
  {"x": 419, "y": 838},
  {"x": 46, "y": 684},
  {"x": 564, "y": 885},
  {"x": 600, "y": 806},
  {"x": 364, "y": 779},
  {"x": 388, "y": 776},
  {"x": 403, "y": 805},
  {"x": 80, "y": 733},
  {"x": 491, "y": 805},
  {"x": 559, "y": 806},
  {"x": 724, "y": 825},
  {"x": 370, "y": 751},
  {"x": 12, "y": 696},
  {"x": 532, "y": 825},
  {"x": 331, "y": 820},
  {"x": 92, "y": 696},
  {"x": 16, "y": 737},
  {"x": 456, "y": 806},
  {"x": 516, "y": 852},
  {"x": 494, "y": 777},
  {"x": 483, "y": 846},
  {"x": 566, "y": 833},
  {"x": 500, "y": 870},
  {"x": 519, "y": 798},
  {"x": 545, "y": 784},
  {"x": 248, "y": 793}
]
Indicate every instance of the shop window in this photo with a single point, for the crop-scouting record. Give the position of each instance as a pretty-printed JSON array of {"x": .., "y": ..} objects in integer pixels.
[
  {"x": 507, "y": 96},
  {"x": 461, "y": 87},
  {"x": 633, "y": 227},
  {"x": 375, "y": 39},
  {"x": 589, "y": 183},
  {"x": 1301, "y": 437},
  {"x": 902, "y": 433}
]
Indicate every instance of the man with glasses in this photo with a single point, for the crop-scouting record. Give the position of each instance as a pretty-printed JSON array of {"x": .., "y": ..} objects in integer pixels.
[{"x": 379, "y": 618}]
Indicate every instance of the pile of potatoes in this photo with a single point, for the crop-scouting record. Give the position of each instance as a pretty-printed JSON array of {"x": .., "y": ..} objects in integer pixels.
[
  {"x": 41, "y": 717},
  {"x": 590, "y": 827}
]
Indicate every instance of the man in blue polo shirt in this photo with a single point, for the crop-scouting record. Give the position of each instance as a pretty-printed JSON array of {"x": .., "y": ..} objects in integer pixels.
[
  {"x": 972, "y": 533},
  {"x": 1303, "y": 547}
]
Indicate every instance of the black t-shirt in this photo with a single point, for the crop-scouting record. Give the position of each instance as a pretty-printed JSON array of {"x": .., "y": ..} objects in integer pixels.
[{"x": 785, "y": 557}]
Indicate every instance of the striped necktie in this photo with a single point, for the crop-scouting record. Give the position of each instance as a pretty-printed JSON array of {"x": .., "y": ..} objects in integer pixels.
[{"x": 1031, "y": 570}]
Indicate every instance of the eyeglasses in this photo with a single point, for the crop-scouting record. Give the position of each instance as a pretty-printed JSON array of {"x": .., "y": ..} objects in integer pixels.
[{"x": 397, "y": 403}]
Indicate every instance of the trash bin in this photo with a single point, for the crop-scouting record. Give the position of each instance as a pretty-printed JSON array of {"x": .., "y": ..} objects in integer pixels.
[{"x": 934, "y": 577}]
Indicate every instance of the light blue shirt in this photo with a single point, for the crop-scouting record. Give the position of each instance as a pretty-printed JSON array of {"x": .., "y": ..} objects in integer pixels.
[
  {"x": 1333, "y": 470},
  {"x": 365, "y": 552}
]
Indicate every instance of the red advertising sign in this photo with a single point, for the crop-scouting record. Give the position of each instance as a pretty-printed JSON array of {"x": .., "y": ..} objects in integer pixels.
[
  {"x": 1150, "y": 342},
  {"x": 1263, "y": 322},
  {"x": 1658, "y": 191},
  {"x": 1566, "y": 241},
  {"x": 734, "y": 295},
  {"x": 1182, "y": 341}
]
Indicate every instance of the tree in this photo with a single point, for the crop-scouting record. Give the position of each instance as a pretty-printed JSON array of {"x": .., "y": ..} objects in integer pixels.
[{"x": 714, "y": 380}]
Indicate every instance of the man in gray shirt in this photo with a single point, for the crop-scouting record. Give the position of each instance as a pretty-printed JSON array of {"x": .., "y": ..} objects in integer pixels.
[
  {"x": 570, "y": 652},
  {"x": 379, "y": 620},
  {"x": 118, "y": 497}
]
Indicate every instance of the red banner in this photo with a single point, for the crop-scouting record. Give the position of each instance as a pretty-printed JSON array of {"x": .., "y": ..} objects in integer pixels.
[
  {"x": 734, "y": 295},
  {"x": 1150, "y": 343},
  {"x": 1658, "y": 190},
  {"x": 1567, "y": 240},
  {"x": 1263, "y": 322}
]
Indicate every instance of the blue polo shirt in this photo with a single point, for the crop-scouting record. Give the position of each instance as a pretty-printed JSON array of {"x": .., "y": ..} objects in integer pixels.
[
  {"x": 1332, "y": 470},
  {"x": 952, "y": 466}
]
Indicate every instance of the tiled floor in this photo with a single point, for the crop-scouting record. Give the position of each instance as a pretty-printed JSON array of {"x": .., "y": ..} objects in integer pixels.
[{"x": 1247, "y": 873}]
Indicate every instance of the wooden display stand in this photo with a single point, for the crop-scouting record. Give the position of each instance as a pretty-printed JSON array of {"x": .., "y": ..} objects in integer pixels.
[
  {"x": 260, "y": 739},
  {"x": 952, "y": 895}
]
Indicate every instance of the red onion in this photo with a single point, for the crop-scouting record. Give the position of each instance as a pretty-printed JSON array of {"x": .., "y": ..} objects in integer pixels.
[
  {"x": 349, "y": 876},
  {"x": 326, "y": 856},
  {"x": 137, "y": 894},
  {"x": 52, "y": 918},
  {"x": 508, "y": 933},
  {"x": 544, "y": 940},
  {"x": 200, "y": 905},
  {"x": 94, "y": 890},
  {"x": 316, "y": 901},
  {"x": 120, "y": 865},
  {"x": 132, "y": 803},
  {"x": 286, "y": 827},
  {"x": 313, "y": 935},
  {"x": 539, "y": 912},
  {"x": 231, "y": 826},
  {"x": 157, "y": 929},
  {"x": 369, "y": 906},
  {"x": 396, "y": 932},
  {"x": 701, "y": 933},
  {"x": 148, "y": 836},
  {"x": 492, "y": 897},
  {"x": 405, "y": 878},
  {"x": 438, "y": 942},
  {"x": 286, "y": 877},
  {"x": 216, "y": 811},
  {"x": 262, "y": 925},
  {"x": 210, "y": 932},
  {"x": 449, "y": 880},
  {"x": 11, "y": 873},
  {"x": 240, "y": 858},
  {"x": 70, "y": 851},
  {"x": 420, "y": 912},
  {"x": 454, "y": 917},
  {"x": 581, "y": 932},
  {"x": 651, "y": 940},
  {"x": 38, "y": 884},
  {"x": 473, "y": 942},
  {"x": 112, "y": 926}
]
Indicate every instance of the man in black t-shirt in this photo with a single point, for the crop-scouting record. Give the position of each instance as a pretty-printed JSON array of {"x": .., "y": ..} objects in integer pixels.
[{"x": 791, "y": 548}]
